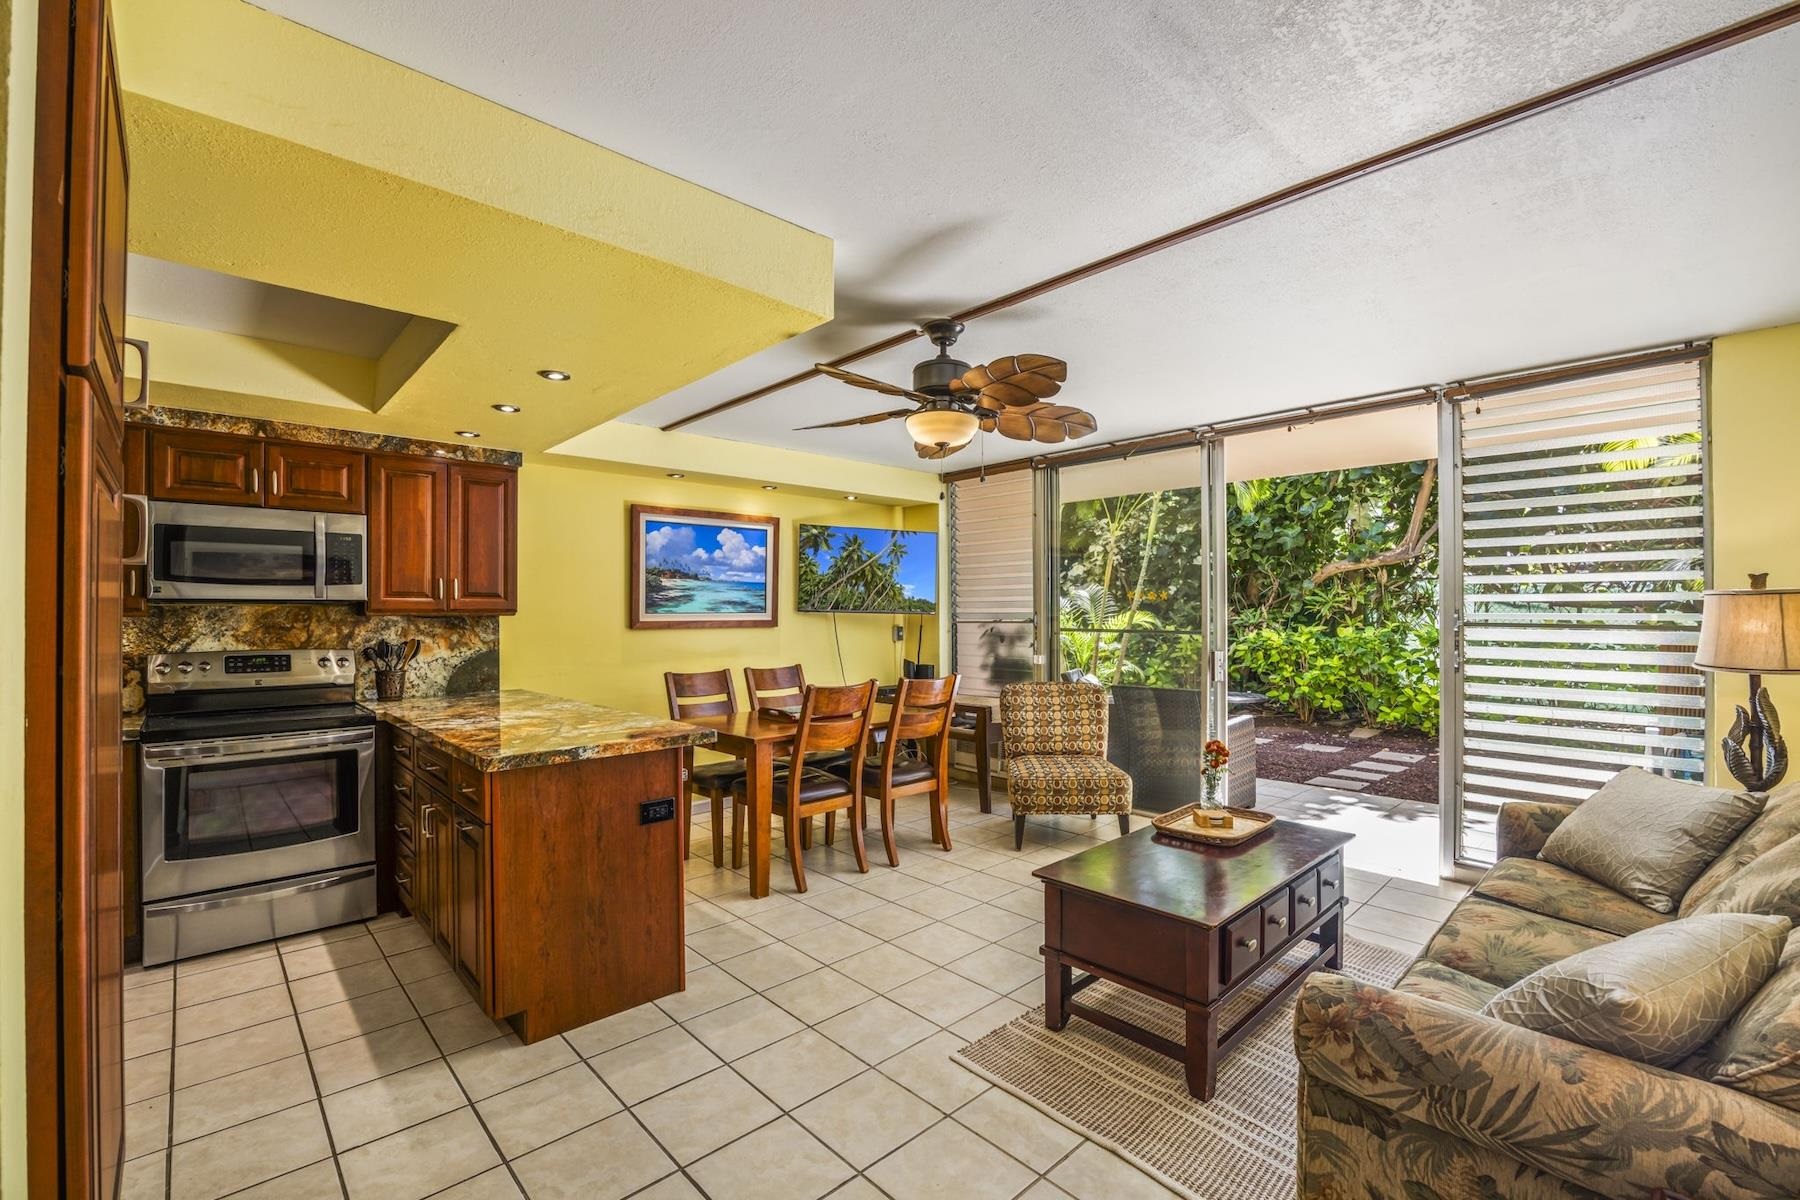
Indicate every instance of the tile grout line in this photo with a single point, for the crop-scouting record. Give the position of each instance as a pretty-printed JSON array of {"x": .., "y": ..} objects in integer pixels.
[{"x": 312, "y": 1073}]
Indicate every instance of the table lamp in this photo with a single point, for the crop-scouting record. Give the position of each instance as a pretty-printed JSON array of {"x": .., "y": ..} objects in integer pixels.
[{"x": 1755, "y": 630}]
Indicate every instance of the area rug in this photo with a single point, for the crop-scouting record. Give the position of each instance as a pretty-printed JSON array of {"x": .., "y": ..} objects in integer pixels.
[{"x": 1240, "y": 1145}]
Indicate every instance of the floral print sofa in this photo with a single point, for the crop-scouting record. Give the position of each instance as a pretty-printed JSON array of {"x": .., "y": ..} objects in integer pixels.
[{"x": 1410, "y": 1093}]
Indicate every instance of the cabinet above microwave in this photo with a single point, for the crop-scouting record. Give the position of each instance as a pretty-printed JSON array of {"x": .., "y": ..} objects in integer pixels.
[{"x": 197, "y": 466}]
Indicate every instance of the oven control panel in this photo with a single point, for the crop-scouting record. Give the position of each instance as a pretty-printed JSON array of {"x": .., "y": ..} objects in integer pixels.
[{"x": 244, "y": 669}]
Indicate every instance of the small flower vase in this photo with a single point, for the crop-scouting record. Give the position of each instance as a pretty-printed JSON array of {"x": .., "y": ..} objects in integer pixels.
[{"x": 1210, "y": 790}]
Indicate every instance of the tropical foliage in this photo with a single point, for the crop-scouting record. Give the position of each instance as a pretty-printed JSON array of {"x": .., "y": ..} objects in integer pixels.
[{"x": 1314, "y": 627}]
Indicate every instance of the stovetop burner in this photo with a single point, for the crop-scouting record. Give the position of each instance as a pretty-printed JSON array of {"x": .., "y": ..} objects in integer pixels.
[{"x": 248, "y": 693}]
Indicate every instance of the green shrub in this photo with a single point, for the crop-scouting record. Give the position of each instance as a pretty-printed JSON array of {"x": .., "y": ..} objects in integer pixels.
[{"x": 1378, "y": 674}]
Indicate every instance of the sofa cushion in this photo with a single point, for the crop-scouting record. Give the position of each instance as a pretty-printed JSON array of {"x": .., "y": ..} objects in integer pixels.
[
  {"x": 1066, "y": 783},
  {"x": 1650, "y": 837},
  {"x": 1553, "y": 891},
  {"x": 1770, "y": 885},
  {"x": 1656, "y": 996},
  {"x": 1778, "y": 822},
  {"x": 1759, "y": 1051},
  {"x": 1501, "y": 944},
  {"x": 1435, "y": 981}
]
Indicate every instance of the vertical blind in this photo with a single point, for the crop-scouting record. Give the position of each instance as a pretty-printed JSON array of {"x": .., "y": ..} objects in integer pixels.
[
  {"x": 1583, "y": 564},
  {"x": 992, "y": 530}
]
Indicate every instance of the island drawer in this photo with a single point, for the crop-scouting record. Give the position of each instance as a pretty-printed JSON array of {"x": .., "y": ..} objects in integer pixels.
[
  {"x": 405, "y": 835},
  {"x": 405, "y": 789},
  {"x": 431, "y": 762},
  {"x": 468, "y": 787},
  {"x": 400, "y": 746}
]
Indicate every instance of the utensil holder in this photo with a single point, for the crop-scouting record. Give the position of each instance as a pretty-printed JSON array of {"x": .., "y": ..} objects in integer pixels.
[{"x": 390, "y": 685}]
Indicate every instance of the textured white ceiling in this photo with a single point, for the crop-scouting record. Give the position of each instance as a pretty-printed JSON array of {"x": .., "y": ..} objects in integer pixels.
[
  {"x": 186, "y": 295},
  {"x": 956, "y": 151}
]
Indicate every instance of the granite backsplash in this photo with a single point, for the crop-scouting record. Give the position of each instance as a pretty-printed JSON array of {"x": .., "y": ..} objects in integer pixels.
[{"x": 458, "y": 655}]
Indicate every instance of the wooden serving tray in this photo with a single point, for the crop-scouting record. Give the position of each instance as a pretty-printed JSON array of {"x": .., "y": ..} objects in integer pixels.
[{"x": 1246, "y": 824}]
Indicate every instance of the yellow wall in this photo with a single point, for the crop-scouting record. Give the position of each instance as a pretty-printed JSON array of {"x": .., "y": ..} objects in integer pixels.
[
  {"x": 1755, "y": 430},
  {"x": 571, "y": 636},
  {"x": 18, "y": 41}
]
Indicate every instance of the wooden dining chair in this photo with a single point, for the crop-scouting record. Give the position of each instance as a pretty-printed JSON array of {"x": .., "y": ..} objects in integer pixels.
[
  {"x": 831, "y": 719},
  {"x": 775, "y": 687},
  {"x": 708, "y": 694},
  {"x": 919, "y": 717}
]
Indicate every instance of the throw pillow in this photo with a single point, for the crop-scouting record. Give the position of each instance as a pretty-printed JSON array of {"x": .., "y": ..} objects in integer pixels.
[
  {"x": 1656, "y": 996},
  {"x": 1759, "y": 1051},
  {"x": 1779, "y": 821},
  {"x": 1769, "y": 885},
  {"x": 1650, "y": 837}
]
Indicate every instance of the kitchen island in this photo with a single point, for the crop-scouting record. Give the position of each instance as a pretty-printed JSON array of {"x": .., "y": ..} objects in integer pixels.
[{"x": 536, "y": 839}]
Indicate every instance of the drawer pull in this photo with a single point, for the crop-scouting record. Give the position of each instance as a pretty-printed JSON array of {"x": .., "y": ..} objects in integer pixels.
[
  {"x": 1278, "y": 922},
  {"x": 1247, "y": 943},
  {"x": 431, "y": 768},
  {"x": 464, "y": 826},
  {"x": 402, "y": 751},
  {"x": 402, "y": 788},
  {"x": 404, "y": 881},
  {"x": 467, "y": 789},
  {"x": 1330, "y": 883},
  {"x": 1304, "y": 901}
]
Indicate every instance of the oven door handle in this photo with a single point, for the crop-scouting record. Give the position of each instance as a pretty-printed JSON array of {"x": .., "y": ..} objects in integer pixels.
[
  {"x": 253, "y": 895},
  {"x": 224, "y": 750}
]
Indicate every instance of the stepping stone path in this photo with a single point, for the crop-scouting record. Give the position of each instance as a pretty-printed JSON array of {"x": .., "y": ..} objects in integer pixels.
[
  {"x": 1359, "y": 776},
  {"x": 1316, "y": 748}
]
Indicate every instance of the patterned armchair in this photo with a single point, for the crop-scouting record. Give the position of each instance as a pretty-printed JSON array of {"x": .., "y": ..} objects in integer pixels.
[{"x": 1055, "y": 738}]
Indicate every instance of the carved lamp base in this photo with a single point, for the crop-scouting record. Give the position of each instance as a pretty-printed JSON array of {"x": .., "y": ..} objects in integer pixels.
[{"x": 1754, "y": 752}]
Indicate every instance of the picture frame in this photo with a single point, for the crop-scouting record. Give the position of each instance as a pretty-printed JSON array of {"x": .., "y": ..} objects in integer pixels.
[{"x": 696, "y": 568}]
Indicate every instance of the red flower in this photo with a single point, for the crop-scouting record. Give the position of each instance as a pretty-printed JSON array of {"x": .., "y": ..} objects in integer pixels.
[{"x": 1217, "y": 754}]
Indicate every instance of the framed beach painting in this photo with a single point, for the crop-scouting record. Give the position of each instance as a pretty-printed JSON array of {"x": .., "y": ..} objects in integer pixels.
[{"x": 694, "y": 569}]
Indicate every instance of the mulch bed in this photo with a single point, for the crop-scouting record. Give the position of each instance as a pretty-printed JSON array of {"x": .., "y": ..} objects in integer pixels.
[{"x": 1279, "y": 755}]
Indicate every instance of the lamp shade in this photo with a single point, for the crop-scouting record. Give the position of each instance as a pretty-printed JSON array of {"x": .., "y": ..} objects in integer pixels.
[
  {"x": 1755, "y": 631},
  {"x": 948, "y": 427}
]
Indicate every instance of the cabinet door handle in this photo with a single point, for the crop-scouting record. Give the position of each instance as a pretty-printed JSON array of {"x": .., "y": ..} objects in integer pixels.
[
  {"x": 425, "y": 820},
  {"x": 274, "y": 482},
  {"x": 1247, "y": 943},
  {"x": 130, "y": 582},
  {"x": 440, "y": 591},
  {"x": 456, "y": 588},
  {"x": 255, "y": 474},
  {"x": 142, "y": 399}
]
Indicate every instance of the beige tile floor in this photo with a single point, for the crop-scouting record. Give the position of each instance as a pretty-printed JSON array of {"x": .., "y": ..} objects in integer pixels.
[{"x": 808, "y": 1057}]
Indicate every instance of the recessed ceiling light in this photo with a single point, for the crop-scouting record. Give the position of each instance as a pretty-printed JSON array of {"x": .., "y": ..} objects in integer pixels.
[
  {"x": 468, "y": 433},
  {"x": 677, "y": 475},
  {"x": 769, "y": 487},
  {"x": 555, "y": 376},
  {"x": 849, "y": 497},
  {"x": 506, "y": 408}
]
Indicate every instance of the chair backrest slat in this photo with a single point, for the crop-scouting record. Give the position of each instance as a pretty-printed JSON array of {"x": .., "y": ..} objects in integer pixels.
[
  {"x": 922, "y": 708},
  {"x": 834, "y": 718},
  {"x": 774, "y": 687},
  {"x": 700, "y": 694}
]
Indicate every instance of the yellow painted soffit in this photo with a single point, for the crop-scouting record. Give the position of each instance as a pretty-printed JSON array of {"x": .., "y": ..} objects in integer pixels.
[
  {"x": 183, "y": 355},
  {"x": 644, "y": 450},
  {"x": 262, "y": 150},
  {"x": 249, "y": 67}
]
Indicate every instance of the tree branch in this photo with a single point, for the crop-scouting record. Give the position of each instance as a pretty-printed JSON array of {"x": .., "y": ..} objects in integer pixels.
[{"x": 1410, "y": 547}]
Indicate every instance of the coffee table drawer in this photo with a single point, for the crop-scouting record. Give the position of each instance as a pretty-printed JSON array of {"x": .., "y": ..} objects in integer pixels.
[
  {"x": 1306, "y": 899},
  {"x": 1331, "y": 881},
  {"x": 1278, "y": 919},
  {"x": 1243, "y": 944}
]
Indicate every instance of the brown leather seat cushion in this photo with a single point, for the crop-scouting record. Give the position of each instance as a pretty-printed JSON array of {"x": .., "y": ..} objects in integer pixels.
[
  {"x": 906, "y": 771},
  {"x": 724, "y": 774},
  {"x": 814, "y": 786}
]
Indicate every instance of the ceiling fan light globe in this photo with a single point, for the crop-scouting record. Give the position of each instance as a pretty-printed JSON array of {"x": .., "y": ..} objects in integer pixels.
[{"x": 950, "y": 428}]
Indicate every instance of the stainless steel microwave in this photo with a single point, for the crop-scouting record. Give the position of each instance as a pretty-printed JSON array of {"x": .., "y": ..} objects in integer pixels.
[{"x": 224, "y": 552}]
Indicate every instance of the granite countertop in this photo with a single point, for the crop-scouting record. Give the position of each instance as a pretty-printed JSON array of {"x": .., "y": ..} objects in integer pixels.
[
  {"x": 133, "y": 725},
  {"x": 499, "y": 731}
]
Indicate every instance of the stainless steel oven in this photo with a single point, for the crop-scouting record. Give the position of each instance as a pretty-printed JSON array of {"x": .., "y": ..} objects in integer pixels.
[
  {"x": 225, "y": 552},
  {"x": 257, "y": 799}
]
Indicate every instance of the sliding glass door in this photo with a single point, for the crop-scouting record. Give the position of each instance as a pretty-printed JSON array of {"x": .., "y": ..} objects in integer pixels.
[
  {"x": 1132, "y": 578},
  {"x": 1574, "y": 557}
]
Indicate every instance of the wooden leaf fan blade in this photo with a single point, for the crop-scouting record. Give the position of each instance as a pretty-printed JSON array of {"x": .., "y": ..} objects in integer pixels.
[
  {"x": 871, "y": 419},
  {"x": 1074, "y": 421},
  {"x": 874, "y": 385},
  {"x": 1018, "y": 380},
  {"x": 925, "y": 451}
]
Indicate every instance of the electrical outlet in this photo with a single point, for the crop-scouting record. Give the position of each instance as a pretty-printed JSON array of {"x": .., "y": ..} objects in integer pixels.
[{"x": 899, "y": 633}]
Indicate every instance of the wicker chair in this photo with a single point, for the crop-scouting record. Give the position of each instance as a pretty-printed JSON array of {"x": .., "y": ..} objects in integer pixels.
[{"x": 1055, "y": 738}]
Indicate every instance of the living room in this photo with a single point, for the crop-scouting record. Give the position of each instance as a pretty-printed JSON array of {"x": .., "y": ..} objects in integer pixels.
[{"x": 601, "y": 601}]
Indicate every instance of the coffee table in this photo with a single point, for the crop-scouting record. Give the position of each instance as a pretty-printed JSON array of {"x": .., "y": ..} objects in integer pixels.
[{"x": 1192, "y": 926}]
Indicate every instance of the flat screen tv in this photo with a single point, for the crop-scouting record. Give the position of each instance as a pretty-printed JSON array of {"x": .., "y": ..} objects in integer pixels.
[{"x": 844, "y": 569}]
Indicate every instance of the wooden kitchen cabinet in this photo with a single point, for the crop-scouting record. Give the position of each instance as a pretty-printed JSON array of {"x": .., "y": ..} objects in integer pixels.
[
  {"x": 314, "y": 478},
  {"x": 407, "y": 527},
  {"x": 483, "y": 542},
  {"x": 201, "y": 467},
  {"x": 137, "y": 526},
  {"x": 471, "y": 902},
  {"x": 442, "y": 536}
]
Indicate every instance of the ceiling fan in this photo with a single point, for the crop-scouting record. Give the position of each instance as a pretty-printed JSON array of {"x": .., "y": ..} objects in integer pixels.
[{"x": 953, "y": 401}]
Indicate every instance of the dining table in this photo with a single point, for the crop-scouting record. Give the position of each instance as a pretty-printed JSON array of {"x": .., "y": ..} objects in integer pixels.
[{"x": 759, "y": 740}]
